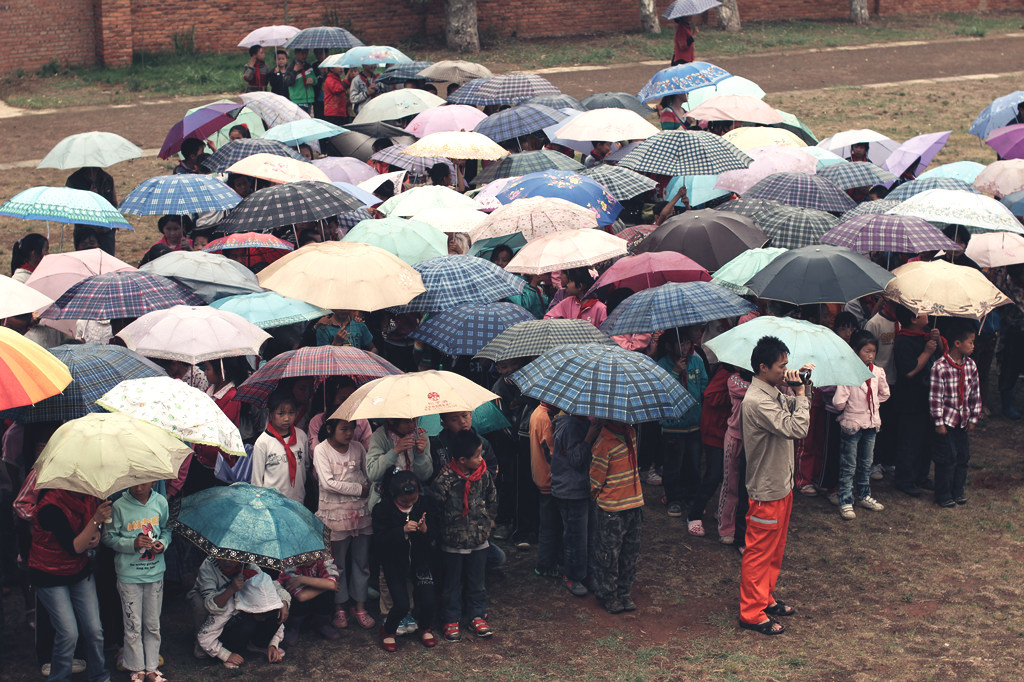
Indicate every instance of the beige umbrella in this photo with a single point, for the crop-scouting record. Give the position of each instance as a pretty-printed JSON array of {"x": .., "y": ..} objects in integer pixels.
[
  {"x": 535, "y": 217},
  {"x": 17, "y": 298},
  {"x": 941, "y": 288},
  {"x": 561, "y": 250},
  {"x": 412, "y": 395},
  {"x": 343, "y": 276},
  {"x": 607, "y": 125},
  {"x": 455, "y": 71},
  {"x": 457, "y": 145},
  {"x": 736, "y": 108},
  {"x": 277, "y": 169},
  {"x": 1001, "y": 178},
  {"x": 751, "y": 138}
]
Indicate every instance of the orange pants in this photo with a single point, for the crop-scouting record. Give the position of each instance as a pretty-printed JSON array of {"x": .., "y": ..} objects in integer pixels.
[{"x": 767, "y": 525}]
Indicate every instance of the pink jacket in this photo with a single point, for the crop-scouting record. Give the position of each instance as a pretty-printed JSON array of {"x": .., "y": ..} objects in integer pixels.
[
  {"x": 859, "y": 404},
  {"x": 361, "y": 434},
  {"x": 737, "y": 389},
  {"x": 570, "y": 309},
  {"x": 341, "y": 476}
]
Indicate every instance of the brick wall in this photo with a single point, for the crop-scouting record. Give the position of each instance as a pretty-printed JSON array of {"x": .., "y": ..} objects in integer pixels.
[{"x": 34, "y": 32}]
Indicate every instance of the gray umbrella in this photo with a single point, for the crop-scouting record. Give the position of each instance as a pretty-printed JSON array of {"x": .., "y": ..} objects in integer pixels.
[
  {"x": 616, "y": 100},
  {"x": 819, "y": 274},
  {"x": 712, "y": 238}
]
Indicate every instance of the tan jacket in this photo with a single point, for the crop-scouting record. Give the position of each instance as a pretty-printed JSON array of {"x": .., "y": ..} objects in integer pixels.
[{"x": 771, "y": 422}]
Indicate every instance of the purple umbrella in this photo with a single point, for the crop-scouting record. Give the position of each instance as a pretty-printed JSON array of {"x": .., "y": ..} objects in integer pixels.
[
  {"x": 198, "y": 124},
  {"x": 1008, "y": 141},
  {"x": 894, "y": 233},
  {"x": 915, "y": 154}
]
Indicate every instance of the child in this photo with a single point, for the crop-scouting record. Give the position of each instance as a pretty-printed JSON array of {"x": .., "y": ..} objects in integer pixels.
[
  {"x": 279, "y": 457},
  {"x": 714, "y": 417},
  {"x": 860, "y": 423},
  {"x": 139, "y": 534},
  {"x": 468, "y": 500},
  {"x": 399, "y": 444},
  {"x": 542, "y": 443},
  {"x": 191, "y": 149},
  {"x": 915, "y": 349},
  {"x": 954, "y": 402},
  {"x": 312, "y": 587},
  {"x": 342, "y": 329},
  {"x": 251, "y": 619},
  {"x": 401, "y": 544},
  {"x": 884, "y": 327},
  {"x": 734, "y": 490},
  {"x": 576, "y": 282},
  {"x": 26, "y": 254},
  {"x": 340, "y": 466},
  {"x": 570, "y": 488}
]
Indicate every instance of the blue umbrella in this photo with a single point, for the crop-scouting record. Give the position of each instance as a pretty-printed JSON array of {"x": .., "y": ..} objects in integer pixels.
[
  {"x": 700, "y": 189},
  {"x": 606, "y": 382},
  {"x": 672, "y": 305},
  {"x": 1015, "y": 202},
  {"x": 453, "y": 280},
  {"x": 678, "y": 80},
  {"x": 252, "y": 525},
  {"x": 567, "y": 185},
  {"x": 517, "y": 121},
  {"x": 361, "y": 55},
  {"x": 179, "y": 195},
  {"x": 967, "y": 171},
  {"x": 465, "y": 330},
  {"x": 323, "y": 38},
  {"x": 368, "y": 198},
  {"x": 486, "y": 418},
  {"x": 1000, "y": 113},
  {"x": 270, "y": 309},
  {"x": 302, "y": 131}
]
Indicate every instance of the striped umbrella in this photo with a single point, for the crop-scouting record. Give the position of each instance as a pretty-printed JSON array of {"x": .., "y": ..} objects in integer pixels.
[
  {"x": 525, "y": 163},
  {"x": 179, "y": 195},
  {"x": 323, "y": 38},
  {"x": 451, "y": 281},
  {"x": 466, "y": 329},
  {"x": 894, "y": 233},
  {"x": 621, "y": 183},
  {"x": 236, "y": 150},
  {"x": 685, "y": 152},
  {"x": 118, "y": 295},
  {"x": 509, "y": 88},
  {"x": 28, "y": 372},
  {"x": 801, "y": 189},
  {"x": 791, "y": 227},
  {"x": 850, "y": 175},
  {"x": 535, "y": 337},
  {"x": 672, "y": 305},
  {"x": 517, "y": 121},
  {"x": 287, "y": 204}
]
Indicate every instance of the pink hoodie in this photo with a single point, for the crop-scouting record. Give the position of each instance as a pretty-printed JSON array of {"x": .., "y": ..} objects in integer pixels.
[{"x": 859, "y": 404}]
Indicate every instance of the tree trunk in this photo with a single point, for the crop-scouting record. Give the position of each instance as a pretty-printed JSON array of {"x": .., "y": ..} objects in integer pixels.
[
  {"x": 461, "y": 32},
  {"x": 729, "y": 16},
  {"x": 649, "y": 17},
  {"x": 859, "y": 11}
]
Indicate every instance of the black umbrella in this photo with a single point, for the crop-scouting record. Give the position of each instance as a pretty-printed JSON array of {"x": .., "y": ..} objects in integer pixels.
[
  {"x": 712, "y": 238},
  {"x": 398, "y": 74},
  {"x": 616, "y": 100},
  {"x": 819, "y": 274},
  {"x": 287, "y": 204},
  {"x": 376, "y": 129},
  {"x": 359, "y": 145}
]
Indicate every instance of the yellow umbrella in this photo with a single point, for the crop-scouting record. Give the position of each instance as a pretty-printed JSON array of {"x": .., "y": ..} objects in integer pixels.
[
  {"x": 343, "y": 276},
  {"x": 28, "y": 372},
  {"x": 277, "y": 169},
  {"x": 17, "y": 298},
  {"x": 943, "y": 289},
  {"x": 752, "y": 138},
  {"x": 457, "y": 145},
  {"x": 412, "y": 395},
  {"x": 101, "y": 453},
  {"x": 569, "y": 249}
]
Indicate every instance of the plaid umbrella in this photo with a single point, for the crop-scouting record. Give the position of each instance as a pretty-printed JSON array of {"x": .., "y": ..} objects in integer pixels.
[
  {"x": 179, "y": 195},
  {"x": 465, "y": 330},
  {"x": 509, "y": 88},
  {"x": 417, "y": 165},
  {"x": 517, "y": 121},
  {"x": 323, "y": 38},
  {"x": 685, "y": 152},
  {"x": 895, "y": 233},
  {"x": 535, "y": 337},
  {"x": 819, "y": 274},
  {"x": 453, "y": 280},
  {"x": 346, "y": 221},
  {"x": 616, "y": 100},
  {"x": 398, "y": 74},
  {"x": 672, "y": 305},
  {"x": 791, "y": 227},
  {"x": 680, "y": 79},
  {"x": 524, "y": 163},
  {"x": 236, "y": 150},
  {"x": 273, "y": 109},
  {"x": 562, "y": 101},
  {"x": 850, "y": 175},
  {"x": 801, "y": 189},
  {"x": 606, "y": 382},
  {"x": 748, "y": 206},
  {"x": 869, "y": 208},
  {"x": 565, "y": 185},
  {"x": 621, "y": 183},
  {"x": 909, "y": 189},
  {"x": 121, "y": 294},
  {"x": 635, "y": 234},
  {"x": 287, "y": 204}
]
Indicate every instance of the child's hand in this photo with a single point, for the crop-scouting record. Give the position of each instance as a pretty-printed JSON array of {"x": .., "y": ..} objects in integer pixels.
[
  {"x": 411, "y": 526},
  {"x": 941, "y": 429},
  {"x": 143, "y": 542},
  {"x": 421, "y": 440},
  {"x": 158, "y": 547},
  {"x": 235, "y": 659},
  {"x": 405, "y": 443},
  {"x": 295, "y": 583},
  {"x": 274, "y": 654},
  {"x": 422, "y": 525},
  {"x": 102, "y": 514},
  {"x": 238, "y": 583},
  {"x": 970, "y": 426},
  {"x": 365, "y": 492}
]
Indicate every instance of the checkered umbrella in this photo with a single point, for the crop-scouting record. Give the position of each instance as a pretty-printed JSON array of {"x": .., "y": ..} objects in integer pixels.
[
  {"x": 346, "y": 221},
  {"x": 801, "y": 189},
  {"x": 562, "y": 101},
  {"x": 895, "y": 233},
  {"x": 819, "y": 274},
  {"x": 621, "y": 183},
  {"x": 509, "y": 88},
  {"x": 121, "y": 294},
  {"x": 287, "y": 204},
  {"x": 323, "y": 38},
  {"x": 398, "y": 74},
  {"x": 465, "y": 330},
  {"x": 453, "y": 280},
  {"x": 417, "y": 165},
  {"x": 525, "y": 163},
  {"x": 791, "y": 227},
  {"x": 635, "y": 234},
  {"x": 869, "y": 208},
  {"x": 850, "y": 175},
  {"x": 534, "y": 337},
  {"x": 748, "y": 206},
  {"x": 909, "y": 189},
  {"x": 179, "y": 195},
  {"x": 685, "y": 152},
  {"x": 676, "y": 304},
  {"x": 273, "y": 109},
  {"x": 517, "y": 121},
  {"x": 566, "y": 185},
  {"x": 616, "y": 100},
  {"x": 605, "y": 382},
  {"x": 236, "y": 150}
]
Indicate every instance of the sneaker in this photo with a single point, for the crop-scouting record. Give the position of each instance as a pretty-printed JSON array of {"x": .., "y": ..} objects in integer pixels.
[
  {"x": 870, "y": 503},
  {"x": 451, "y": 632},
  {"x": 547, "y": 572},
  {"x": 833, "y": 498},
  {"x": 628, "y": 604},
  {"x": 481, "y": 628},
  {"x": 877, "y": 472},
  {"x": 675, "y": 510},
  {"x": 407, "y": 625},
  {"x": 653, "y": 478},
  {"x": 809, "y": 490},
  {"x": 575, "y": 587},
  {"x": 77, "y": 666},
  {"x": 846, "y": 511},
  {"x": 613, "y": 606},
  {"x": 727, "y": 539},
  {"x": 501, "y": 533},
  {"x": 962, "y": 500},
  {"x": 947, "y": 504}
]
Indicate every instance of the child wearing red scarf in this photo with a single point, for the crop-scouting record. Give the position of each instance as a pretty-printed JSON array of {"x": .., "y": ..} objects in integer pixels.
[{"x": 280, "y": 456}]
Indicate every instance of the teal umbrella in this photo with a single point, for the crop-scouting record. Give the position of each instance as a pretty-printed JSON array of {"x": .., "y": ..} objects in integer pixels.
[
  {"x": 304, "y": 130},
  {"x": 958, "y": 170},
  {"x": 736, "y": 273},
  {"x": 64, "y": 205},
  {"x": 410, "y": 240},
  {"x": 486, "y": 418},
  {"x": 700, "y": 189},
  {"x": 835, "y": 362},
  {"x": 270, "y": 309},
  {"x": 93, "y": 149}
]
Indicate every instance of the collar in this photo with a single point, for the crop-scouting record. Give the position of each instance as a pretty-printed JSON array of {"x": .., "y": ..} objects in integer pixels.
[
  {"x": 764, "y": 386},
  {"x": 222, "y": 392}
]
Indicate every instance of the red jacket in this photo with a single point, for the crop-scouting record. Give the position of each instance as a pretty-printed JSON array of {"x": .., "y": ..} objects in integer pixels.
[
  {"x": 715, "y": 410},
  {"x": 47, "y": 556},
  {"x": 335, "y": 95}
]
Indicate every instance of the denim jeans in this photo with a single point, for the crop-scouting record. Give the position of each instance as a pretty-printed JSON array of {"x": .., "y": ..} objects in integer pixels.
[
  {"x": 141, "y": 604},
  {"x": 69, "y": 606},
  {"x": 856, "y": 453},
  {"x": 681, "y": 471},
  {"x": 577, "y": 530},
  {"x": 549, "y": 534},
  {"x": 472, "y": 566}
]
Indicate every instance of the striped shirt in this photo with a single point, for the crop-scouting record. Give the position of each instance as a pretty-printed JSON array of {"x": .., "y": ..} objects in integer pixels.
[{"x": 614, "y": 479}]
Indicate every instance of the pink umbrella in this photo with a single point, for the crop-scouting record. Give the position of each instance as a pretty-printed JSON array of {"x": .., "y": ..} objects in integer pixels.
[
  {"x": 1008, "y": 141},
  {"x": 1001, "y": 178},
  {"x": 487, "y": 196},
  {"x": 736, "y": 108},
  {"x": 648, "y": 270},
  {"x": 448, "y": 118},
  {"x": 58, "y": 272},
  {"x": 345, "y": 169},
  {"x": 996, "y": 249},
  {"x": 767, "y": 160},
  {"x": 915, "y": 154}
]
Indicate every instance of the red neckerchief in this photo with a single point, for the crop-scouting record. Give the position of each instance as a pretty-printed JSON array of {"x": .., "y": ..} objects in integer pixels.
[
  {"x": 469, "y": 478},
  {"x": 871, "y": 398},
  {"x": 588, "y": 304},
  {"x": 292, "y": 437},
  {"x": 912, "y": 332},
  {"x": 961, "y": 386},
  {"x": 889, "y": 314}
]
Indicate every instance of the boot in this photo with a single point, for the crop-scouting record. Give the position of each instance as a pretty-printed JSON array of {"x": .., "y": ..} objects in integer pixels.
[{"x": 1009, "y": 411}]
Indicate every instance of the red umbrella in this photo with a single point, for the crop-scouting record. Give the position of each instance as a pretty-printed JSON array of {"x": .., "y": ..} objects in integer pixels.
[
  {"x": 258, "y": 247},
  {"x": 648, "y": 270}
]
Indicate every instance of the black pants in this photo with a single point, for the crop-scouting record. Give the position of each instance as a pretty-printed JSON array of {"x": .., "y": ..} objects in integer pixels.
[
  {"x": 397, "y": 575},
  {"x": 1011, "y": 359},
  {"x": 244, "y": 629},
  {"x": 951, "y": 452},
  {"x": 885, "y": 442},
  {"x": 472, "y": 605},
  {"x": 709, "y": 482},
  {"x": 320, "y": 605},
  {"x": 913, "y": 439},
  {"x": 830, "y": 463},
  {"x": 740, "y": 533}
]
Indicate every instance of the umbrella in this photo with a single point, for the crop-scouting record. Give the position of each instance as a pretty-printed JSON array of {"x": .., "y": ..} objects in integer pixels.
[
  {"x": 566, "y": 185},
  {"x": 487, "y": 195},
  {"x": 185, "y": 412},
  {"x": 893, "y": 233},
  {"x": 685, "y": 152},
  {"x": 567, "y": 249},
  {"x": 909, "y": 189},
  {"x": 64, "y": 205},
  {"x": 767, "y": 161},
  {"x": 791, "y": 227},
  {"x": 524, "y": 163},
  {"x": 1014, "y": 202},
  {"x": 870, "y": 208},
  {"x": 287, "y": 204},
  {"x": 447, "y": 118},
  {"x": 28, "y": 372},
  {"x": 343, "y": 276},
  {"x": 451, "y": 281},
  {"x": 101, "y": 454},
  {"x": 819, "y": 274},
  {"x": 977, "y": 212},
  {"x": 712, "y": 238},
  {"x": 835, "y": 362},
  {"x": 849, "y": 175},
  {"x": 417, "y": 165},
  {"x": 58, "y": 272},
  {"x": 456, "y": 145},
  {"x": 996, "y": 249},
  {"x": 466, "y": 329},
  {"x": 604, "y": 382},
  {"x": 634, "y": 235},
  {"x": 269, "y": 35},
  {"x": 733, "y": 85},
  {"x": 607, "y": 125},
  {"x": 397, "y": 104},
  {"x": 797, "y": 127},
  {"x": 965, "y": 171},
  {"x": 346, "y": 221},
  {"x": 412, "y": 395},
  {"x": 879, "y": 150},
  {"x": 534, "y": 337},
  {"x": 273, "y": 109},
  {"x": 752, "y": 138},
  {"x": 400, "y": 74},
  {"x": 688, "y": 8},
  {"x": 673, "y": 305},
  {"x": 361, "y": 55},
  {"x": 560, "y": 102},
  {"x": 252, "y": 525},
  {"x": 345, "y": 169},
  {"x": 95, "y": 149},
  {"x": 269, "y": 309},
  {"x": 455, "y": 71},
  {"x": 748, "y": 207},
  {"x": 522, "y": 119},
  {"x": 825, "y": 157},
  {"x": 735, "y": 274},
  {"x": 623, "y": 184},
  {"x": 376, "y": 129},
  {"x": 412, "y": 241},
  {"x": 200, "y": 123},
  {"x": 509, "y": 88},
  {"x": 735, "y": 108},
  {"x": 419, "y": 199},
  {"x": 616, "y": 100},
  {"x": 209, "y": 275},
  {"x": 700, "y": 189},
  {"x": 193, "y": 335},
  {"x": 1001, "y": 178},
  {"x": 20, "y": 299},
  {"x": 360, "y": 145},
  {"x": 534, "y": 217},
  {"x": 179, "y": 195},
  {"x": 554, "y": 141},
  {"x": 256, "y": 246},
  {"x": 452, "y": 219},
  {"x": 486, "y": 419},
  {"x": 322, "y": 38},
  {"x": 943, "y": 289},
  {"x": 647, "y": 270},
  {"x": 244, "y": 117},
  {"x": 304, "y": 130},
  {"x": 120, "y": 294},
  {"x": 915, "y": 154},
  {"x": 1001, "y": 112},
  {"x": 1007, "y": 141},
  {"x": 801, "y": 189},
  {"x": 681, "y": 79},
  {"x": 277, "y": 169},
  {"x": 236, "y": 150},
  {"x": 358, "y": 193}
]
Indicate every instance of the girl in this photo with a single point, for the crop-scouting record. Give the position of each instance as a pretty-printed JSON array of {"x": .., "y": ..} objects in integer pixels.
[
  {"x": 280, "y": 456},
  {"x": 340, "y": 388},
  {"x": 173, "y": 229},
  {"x": 860, "y": 423},
  {"x": 340, "y": 466},
  {"x": 26, "y": 254},
  {"x": 239, "y": 132},
  {"x": 224, "y": 376},
  {"x": 733, "y": 485}
]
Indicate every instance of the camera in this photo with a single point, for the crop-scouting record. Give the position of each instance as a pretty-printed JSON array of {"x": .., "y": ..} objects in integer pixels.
[{"x": 805, "y": 378}]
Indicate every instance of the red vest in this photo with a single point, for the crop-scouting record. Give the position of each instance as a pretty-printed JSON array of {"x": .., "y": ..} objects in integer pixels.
[{"x": 47, "y": 556}]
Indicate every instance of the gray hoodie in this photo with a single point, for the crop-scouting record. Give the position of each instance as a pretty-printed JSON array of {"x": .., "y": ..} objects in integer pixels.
[{"x": 570, "y": 462}]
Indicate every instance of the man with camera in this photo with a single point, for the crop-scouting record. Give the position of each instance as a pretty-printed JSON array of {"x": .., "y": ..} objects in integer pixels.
[{"x": 771, "y": 421}]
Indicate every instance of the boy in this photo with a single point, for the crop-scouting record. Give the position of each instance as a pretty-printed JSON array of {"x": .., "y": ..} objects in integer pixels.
[
  {"x": 453, "y": 423},
  {"x": 542, "y": 444},
  {"x": 191, "y": 149},
  {"x": 570, "y": 489},
  {"x": 302, "y": 91},
  {"x": 281, "y": 78},
  {"x": 251, "y": 619},
  {"x": 596, "y": 157},
  {"x": 954, "y": 402},
  {"x": 280, "y": 455},
  {"x": 256, "y": 71},
  {"x": 469, "y": 503},
  {"x": 312, "y": 587}
]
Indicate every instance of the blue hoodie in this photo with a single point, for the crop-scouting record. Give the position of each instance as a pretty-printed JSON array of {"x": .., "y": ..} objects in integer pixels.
[
  {"x": 570, "y": 462},
  {"x": 696, "y": 382},
  {"x": 129, "y": 519}
]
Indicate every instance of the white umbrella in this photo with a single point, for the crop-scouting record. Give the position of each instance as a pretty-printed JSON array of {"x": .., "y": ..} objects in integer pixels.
[
  {"x": 269, "y": 35},
  {"x": 977, "y": 212},
  {"x": 607, "y": 125},
  {"x": 452, "y": 219},
  {"x": 562, "y": 250},
  {"x": 209, "y": 275},
  {"x": 193, "y": 334},
  {"x": 397, "y": 104},
  {"x": 535, "y": 217},
  {"x": 95, "y": 148},
  {"x": 412, "y": 395},
  {"x": 879, "y": 150},
  {"x": 17, "y": 298}
]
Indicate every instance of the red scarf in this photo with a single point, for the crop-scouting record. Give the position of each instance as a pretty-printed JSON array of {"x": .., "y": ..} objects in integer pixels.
[
  {"x": 469, "y": 479},
  {"x": 292, "y": 462},
  {"x": 871, "y": 398},
  {"x": 961, "y": 385}
]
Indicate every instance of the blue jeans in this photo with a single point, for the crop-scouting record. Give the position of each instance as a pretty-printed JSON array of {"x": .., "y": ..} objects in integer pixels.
[
  {"x": 856, "y": 454},
  {"x": 71, "y": 606},
  {"x": 472, "y": 566},
  {"x": 577, "y": 532}
]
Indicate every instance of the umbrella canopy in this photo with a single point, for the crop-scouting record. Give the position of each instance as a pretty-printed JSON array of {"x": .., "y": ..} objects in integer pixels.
[
  {"x": 183, "y": 194},
  {"x": 915, "y": 154},
  {"x": 943, "y": 289},
  {"x": 1000, "y": 113},
  {"x": 835, "y": 362},
  {"x": 688, "y": 8},
  {"x": 64, "y": 205},
  {"x": 199, "y": 124},
  {"x": 534, "y": 337},
  {"x": 623, "y": 184},
  {"x": 685, "y": 152},
  {"x": 418, "y": 199},
  {"x": 605, "y": 382},
  {"x": 735, "y": 108},
  {"x": 120, "y": 294},
  {"x": 870, "y": 208},
  {"x": 359, "y": 145},
  {"x": 410, "y": 240},
  {"x": 996, "y": 249},
  {"x": 616, "y": 100},
  {"x": 361, "y": 55},
  {"x": 251, "y": 247},
  {"x": 672, "y": 305},
  {"x": 1001, "y": 178},
  {"x": 522, "y": 119},
  {"x": 456, "y": 145},
  {"x": 397, "y": 104},
  {"x": 801, "y": 189},
  {"x": 975, "y": 211},
  {"x": 791, "y": 227},
  {"x": 343, "y": 276},
  {"x": 466, "y": 329},
  {"x": 400, "y": 74},
  {"x": 452, "y": 219},
  {"x": 555, "y": 141},
  {"x": 561, "y": 102},
  {"x": 277, "y": 169},
  {"x": 448, "y": 118},
  {"x": 322, "y": 38},
  {"x": 357, "y": 192},
  {"x": 797, "y": 127},
  {"x": 524, "y": 163},
  {"x": 451, "y": 281},
  {"x": 412, "y": 395},
  {"x": 93, "y": 149},
  {"x": 914, "y": 187},
  {"x": 681, "y": 79},
  {"x": 700, "y": 189},
  {"x": 287, "y": 204},
  {"x": 607, "y": 125},
  {"x": 487, "y": 195},
  {"x": 509, "y": 88},
  {"x": 58, "y": 272},
  {"x": 880, "y": 146},
  {"x": 269, "y": 35},
  {"x": 269, "y": 309},
  {"x": 417, "y": 165},
  {"x": 273, "y": 109},
  {"x": 712, "y": 238},
  {"x": 455, "y": 71},
  {"x": 747, "y": 206},
  {"x": 28, "y": 372},
  {"x": 193, "y": 335},
  {"x": 893, "y": 233},
  {"x": 825, "y": 157},
  {"x": 965, "y": 171},
  {"x": 244, "y": 117},
  {"x": 567, "y": 185},
  {"x": 209, "y": 275},
  {"x": 767, "y": 161},
  {"x": 563, "y": 250},
  {"x": 345, "y": 169},
  {"x": 733, "y": 85},
  {"x": 849, "y": 175},
  {"x": 819, "y": 274},
  {"x": 534, "y": 217},
  {"x": 735, "y": 274},
  {"x": 647, "y": 270},
  {"x": 252, "y": 525},
  {"x": 753, "y": 138},
  {"x": 1007, "y": 141},
  {"x": 19, "y": 299},
  {"x": 236, "y": 150},
  {"x": 304, "y": 130}
]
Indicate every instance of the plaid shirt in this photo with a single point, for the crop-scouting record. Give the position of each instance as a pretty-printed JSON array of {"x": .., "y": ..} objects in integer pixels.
[{"x": 954, "y": 398}]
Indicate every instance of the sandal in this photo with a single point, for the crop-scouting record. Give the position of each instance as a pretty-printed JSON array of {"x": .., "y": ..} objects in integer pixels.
[
  {"x": 428, "y": 639},
  {"x": 451, "y": 632},
  {"x": 481, "y": 628},
  {"x": 696, "y": 528},
  {"x": 769, "y": 627},
  {"x": 779, "y": 608},
  {"x": 340, "y": 620},
  {"x": 364, "y": 619}
]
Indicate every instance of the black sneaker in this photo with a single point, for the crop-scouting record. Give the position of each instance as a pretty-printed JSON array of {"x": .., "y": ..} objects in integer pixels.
[
  {"x": 962, "y": 500},
  {"x": 947, "y": 504},
  {"x": 628, "y": 604}
]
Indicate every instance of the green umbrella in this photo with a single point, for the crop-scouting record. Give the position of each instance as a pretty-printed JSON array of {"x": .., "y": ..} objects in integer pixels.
[
  {"x": 410, "y": 240},
  {"x": 486, "y": 418},
  {"x": 736, "y": 273},
  {"x": 245, "y": 116},
  {"x": 64, "y": 205},
  {"x": 94, "y": 149},
  {"x": 420, "y": 199}
]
